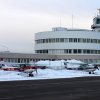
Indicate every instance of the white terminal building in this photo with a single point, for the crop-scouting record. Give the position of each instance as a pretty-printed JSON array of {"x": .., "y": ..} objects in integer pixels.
[{"x": 67, "y": 43}]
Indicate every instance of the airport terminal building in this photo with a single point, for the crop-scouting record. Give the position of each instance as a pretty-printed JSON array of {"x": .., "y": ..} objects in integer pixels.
[
  {"x": 63, "y": 43},
  {"x": 71, "y": 43}
]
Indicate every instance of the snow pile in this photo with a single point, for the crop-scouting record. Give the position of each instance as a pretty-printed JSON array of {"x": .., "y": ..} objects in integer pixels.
[
  {"x": 73, "y": 63},
  {"x": 60, "y": 64},
  {"x": 52, "y": 64}
]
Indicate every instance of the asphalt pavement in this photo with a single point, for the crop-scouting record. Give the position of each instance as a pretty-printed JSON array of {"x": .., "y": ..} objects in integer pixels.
[{"x": 85, "y": 88}]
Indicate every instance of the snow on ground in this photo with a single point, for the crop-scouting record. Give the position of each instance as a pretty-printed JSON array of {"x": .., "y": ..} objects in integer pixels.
[
  {"x": 56, "y": 70},
  {"x": 44, "y": 74}
]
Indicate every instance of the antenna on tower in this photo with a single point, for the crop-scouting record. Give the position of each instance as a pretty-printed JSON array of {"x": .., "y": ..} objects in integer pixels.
[
  {"x": 60, "y": 21},
  {"x": 72, "y": 20}
]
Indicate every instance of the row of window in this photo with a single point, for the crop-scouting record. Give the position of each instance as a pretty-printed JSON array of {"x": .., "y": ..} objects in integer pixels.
[
  {"x": 41, "y": 51},
  {"x": 76, "y": 40},
  {"x": 35, "y": 60},
  {"x": 80, "y": 51},
  {"x": 21, "y": 60},
  {"x": 69, "y": 51}
]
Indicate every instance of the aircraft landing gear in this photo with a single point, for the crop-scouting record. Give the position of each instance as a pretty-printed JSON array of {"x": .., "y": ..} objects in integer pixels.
[
  {"x": 31, "y": 75},
  {"x": 91, "y": 72}
]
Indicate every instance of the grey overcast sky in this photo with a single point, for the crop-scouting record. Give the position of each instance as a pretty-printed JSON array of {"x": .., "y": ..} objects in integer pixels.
[{"x": 20, "y": 19}]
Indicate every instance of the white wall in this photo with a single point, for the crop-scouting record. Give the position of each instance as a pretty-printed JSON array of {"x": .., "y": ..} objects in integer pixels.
[{"x": 67, "y": 34}]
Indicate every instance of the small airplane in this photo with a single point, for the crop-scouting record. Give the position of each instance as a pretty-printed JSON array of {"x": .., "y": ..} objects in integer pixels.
[
  {"x": 82, "y": 66},
  {"x": 7, "y": 68},
  {"x": 27, "y": 68},
  {"x": 89, "y": 68}
]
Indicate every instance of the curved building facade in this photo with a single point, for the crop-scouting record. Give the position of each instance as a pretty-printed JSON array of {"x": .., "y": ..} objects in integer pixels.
[
  {"x": 71, "y": 42},
  {"x": 68, "y": 42}
]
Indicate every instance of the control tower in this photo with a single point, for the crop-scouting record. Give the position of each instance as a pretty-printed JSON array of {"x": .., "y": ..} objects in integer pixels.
[{"x": 96, "y": 23}]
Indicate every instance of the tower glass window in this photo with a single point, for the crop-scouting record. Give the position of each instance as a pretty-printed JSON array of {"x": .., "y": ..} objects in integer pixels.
[{"x": 98, "y": 21}]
